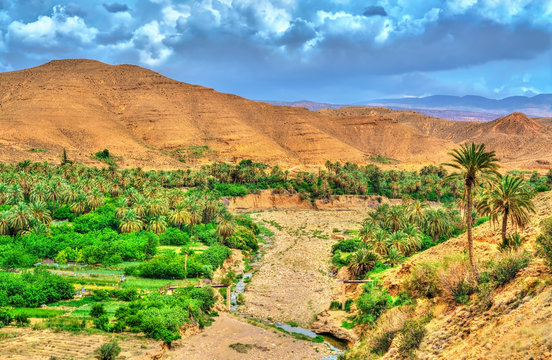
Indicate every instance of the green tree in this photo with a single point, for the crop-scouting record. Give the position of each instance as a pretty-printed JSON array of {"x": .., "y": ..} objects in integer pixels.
[
  {"x": 507, "y": 196},
  {"x": 474, "y": 162}
]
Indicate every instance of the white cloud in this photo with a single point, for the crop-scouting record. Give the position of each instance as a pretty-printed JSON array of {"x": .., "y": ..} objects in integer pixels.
[
  {"x": 46, "y": 31},
  {"x": 148, "y": 40}
]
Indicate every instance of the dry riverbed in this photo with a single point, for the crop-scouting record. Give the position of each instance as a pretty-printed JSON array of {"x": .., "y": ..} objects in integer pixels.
[{"x": 293, "y": 283}]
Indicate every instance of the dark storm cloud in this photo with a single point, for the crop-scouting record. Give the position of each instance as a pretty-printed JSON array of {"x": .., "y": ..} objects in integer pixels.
[
  {"x": 115, "y": 7},
  {"x": 375, "y": 10},
  {"x": 277, "y": 48}
]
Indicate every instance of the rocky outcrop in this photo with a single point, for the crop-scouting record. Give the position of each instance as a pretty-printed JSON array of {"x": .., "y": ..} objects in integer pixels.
[{"x": 329, "y": 322}]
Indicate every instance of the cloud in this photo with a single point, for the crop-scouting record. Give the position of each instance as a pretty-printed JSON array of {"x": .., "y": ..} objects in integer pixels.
[
  {"x": 115, "y": 7},
  {"x": 375, "y": 10},
  {"x": 255, "y": 47}
]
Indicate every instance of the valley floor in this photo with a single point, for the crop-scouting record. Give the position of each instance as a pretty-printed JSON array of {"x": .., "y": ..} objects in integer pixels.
[{"x": 294, "y": 282}]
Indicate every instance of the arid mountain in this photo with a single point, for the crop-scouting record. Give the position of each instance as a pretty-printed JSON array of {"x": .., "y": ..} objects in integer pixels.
[
  {"x": 149, "y": 120},
  {"x": 520, "y": 142},
  {"x": 85, "y": 106}
]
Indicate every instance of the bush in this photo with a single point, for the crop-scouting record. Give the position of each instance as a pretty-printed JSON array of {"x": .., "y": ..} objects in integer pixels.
[
  {"x": 349, "y": 246},
  {"x": 512, "y": 242},
  {"x": 33, "y": 289},
  {"x": 371, "y": 304},
  {"x": 108, "y": 351},
  {"x": 544, "y": 241},
  {"x": 5, "y": 318},
  {"x": 243, "y": 239},
  {"x": 456, "y": 282},
  {"x": 411, "y": 336},
  {"x": 21, "y": 319},
  {"x": 422, "y": 282},
  {"x": 174, "y": 236},
  {"x": 382, "y": 341},
  {"x": 102, "y": 322},
  {"x": 507, "y": 267},
  {"x": 97, "y": 310}
]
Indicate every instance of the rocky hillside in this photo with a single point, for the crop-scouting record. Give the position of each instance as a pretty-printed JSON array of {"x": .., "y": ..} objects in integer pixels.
[
  {"x": 512, "y": 321},
  {"x": 148, "y": 120}
]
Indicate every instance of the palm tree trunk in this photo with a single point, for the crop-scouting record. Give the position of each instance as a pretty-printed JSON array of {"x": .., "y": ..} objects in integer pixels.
[
  {"x": 504, "y": 224},
  {"x": 469, "y": 221}
]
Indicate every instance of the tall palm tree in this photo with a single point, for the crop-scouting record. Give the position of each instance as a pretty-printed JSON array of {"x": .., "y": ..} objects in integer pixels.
[
  {"x": 437, "y": 223},
  {"x": 180, "y": 215},
  {"x": 394, "y": 219},
  {"x": 380, "y": 242},
  {"x": 416, "y": 212},
  {"x": 368, "y": 230},
  {"x": 4, "y": 223},
  {"x": 157, "y": 224},
  {"x": 474, "y": 162},
  {"x": 399, "y": 242},
  {"x": 507, "y": 195},
  {"x": 131, "y": 222},
  {"x": 20, "y": 217},
  {"x": 225, "y": 227},
  {"x": 40, "y": 212}
]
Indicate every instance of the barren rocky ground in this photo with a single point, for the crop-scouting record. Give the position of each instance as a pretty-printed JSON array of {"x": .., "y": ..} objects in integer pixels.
[{"x": 294, "y": 282}]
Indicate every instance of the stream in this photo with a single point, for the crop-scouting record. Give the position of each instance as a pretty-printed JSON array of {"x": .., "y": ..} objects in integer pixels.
[{"x": 336, "y": 345}]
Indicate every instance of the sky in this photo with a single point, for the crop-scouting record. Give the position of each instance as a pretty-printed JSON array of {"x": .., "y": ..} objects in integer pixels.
[{"x": 337, "y": 51}]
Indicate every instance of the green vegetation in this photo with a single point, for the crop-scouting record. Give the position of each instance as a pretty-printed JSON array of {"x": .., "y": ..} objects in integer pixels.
[
  {"x": 33, "y": 289},
  {"x": 108, "y": 351}
]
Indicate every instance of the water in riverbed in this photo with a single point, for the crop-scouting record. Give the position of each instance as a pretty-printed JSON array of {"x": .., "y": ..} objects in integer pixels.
[{"x": 336, "y": 345}]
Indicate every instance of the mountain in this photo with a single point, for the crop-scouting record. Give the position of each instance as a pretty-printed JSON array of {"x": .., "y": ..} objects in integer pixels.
[
  {"x": 520, "y": 142},
  {"x": 539, "y": 105},
  {"x": 307, "y": 104},
  {"x": 149, "y": 120}
]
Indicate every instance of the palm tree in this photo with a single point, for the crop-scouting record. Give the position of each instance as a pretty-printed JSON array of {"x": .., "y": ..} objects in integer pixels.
[
  {"x": 367, "y": 231},
  {"x": 399, "y": 242},
  {"x": 157, "y": 224},
  {"x": 394, "y": 218},
  {"x": 40, "y": 212},
  {"x": 131, "y": 222},
  {"x": 79, "y": 205},
  {"x": 380, "y": 242},
  {"x": 95, "y": 199},
  {"x": 195, "y": 216},
  {"x": 414, "y": 238},
  {"x": 20, "y": 217},
  {"x": 4, "y": 223},
  {"x": 474, "y": 162},
  {"x": 393, "y": 257},
  {"x": 225, "y": 227},
  {"x": 416, "y": 212},
  {"x": 180, "y": 215},
  {"x": 363, "y": 260},
  {"x": 507, "y": 195},
  {"x": 437, "y": 223}
]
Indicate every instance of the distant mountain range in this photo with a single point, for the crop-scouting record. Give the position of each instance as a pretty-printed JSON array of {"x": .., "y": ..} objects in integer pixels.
[{"x": 469, "y": 107}]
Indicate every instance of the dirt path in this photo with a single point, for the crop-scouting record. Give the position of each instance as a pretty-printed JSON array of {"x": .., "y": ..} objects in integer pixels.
[
  {"x": 293, "y": 284},
  {"x": 229, "y": 338}
]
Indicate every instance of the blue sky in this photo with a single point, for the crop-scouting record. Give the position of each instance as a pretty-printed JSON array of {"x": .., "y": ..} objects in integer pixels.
[{"x": 339, "y": 51}]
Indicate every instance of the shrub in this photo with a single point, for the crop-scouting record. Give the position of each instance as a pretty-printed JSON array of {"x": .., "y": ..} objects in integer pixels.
[
  {"x": 507, "y": 267},
  {"x": 456, "y": 282},
  {"x": 371, "y": 304},
  {"x": 411, "y": 336},
  {"x": 381, "y": 342},
  {"x": 174, "y": 236},
  {"x": 21, "y": 319},
  {"x": 102, "y": 322},
  {"x": 349, "y": 245},
  {"x": 422, "y": 282},
  {"x": 108, "y": 351},
  {"x": 97, "y": 310},
  {"x": 243, "y": 239},
  {"x": 512, "y": 242},
  {"x": 5, "y": 318},
  {"x": 544, "y": 241}
]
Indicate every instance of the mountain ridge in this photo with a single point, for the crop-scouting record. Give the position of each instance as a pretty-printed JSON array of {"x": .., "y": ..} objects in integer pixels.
[{"x": 149, "y": 120}]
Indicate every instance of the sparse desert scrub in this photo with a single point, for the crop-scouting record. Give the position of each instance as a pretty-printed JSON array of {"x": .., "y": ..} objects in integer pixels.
[
  {"x": 422, "y": 281},
  {"x": 456, "y": 281}
]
